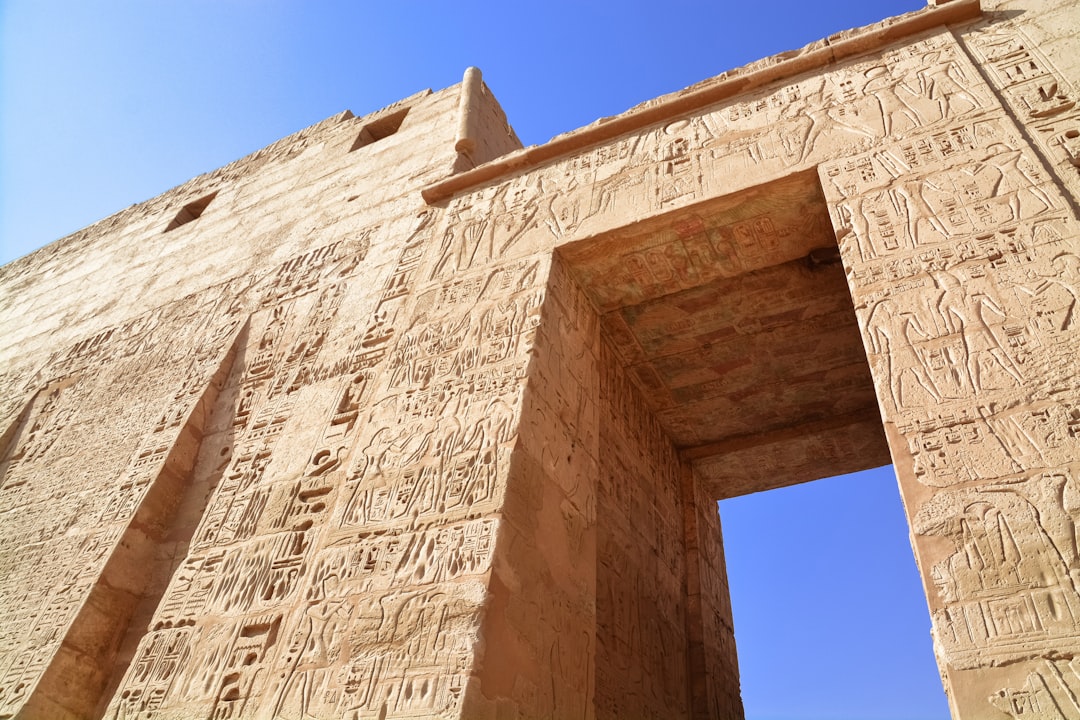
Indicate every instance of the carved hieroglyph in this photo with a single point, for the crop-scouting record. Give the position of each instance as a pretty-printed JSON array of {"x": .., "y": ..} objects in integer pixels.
[{"x": 396, "y": 419}]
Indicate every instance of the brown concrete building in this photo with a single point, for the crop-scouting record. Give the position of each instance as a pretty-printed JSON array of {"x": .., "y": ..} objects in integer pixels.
[{"x": 396, "y": 419}]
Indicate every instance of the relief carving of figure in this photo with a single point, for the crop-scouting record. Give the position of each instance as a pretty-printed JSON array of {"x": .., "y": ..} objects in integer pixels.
[
  {"x": 942, "y": 81},
  {"x": 1067, "y": 277},
  {"x": 314, "y": 649},
  {"x": 911, "y": 192},
  {"x": 891, "y": 333},
  {"x": 836, "y": 107},
  {"x": 1056, "y": 499},
  {"x": 1009, "y": 181},
  {"x": 853, "y": 223},
  {"x": 896, "y": 113},
  {"x": 965, "y": 312}
]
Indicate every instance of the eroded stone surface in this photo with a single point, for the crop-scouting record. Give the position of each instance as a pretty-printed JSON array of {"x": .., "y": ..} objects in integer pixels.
[{"x": 438, "y": 432}]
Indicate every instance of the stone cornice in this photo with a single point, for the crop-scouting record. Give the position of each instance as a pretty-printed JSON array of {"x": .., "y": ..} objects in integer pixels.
[{"x": 708, "y": 92}]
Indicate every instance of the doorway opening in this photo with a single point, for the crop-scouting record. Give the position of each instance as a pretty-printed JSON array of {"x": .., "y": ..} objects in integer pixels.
[
  {"x": 734, "y": 321},
  {"x": 827, "y": 602}
]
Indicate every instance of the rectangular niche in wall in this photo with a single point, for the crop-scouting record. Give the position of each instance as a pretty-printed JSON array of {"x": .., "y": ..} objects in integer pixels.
[
  {"x": 378, "y": 129},
  {"x": 191, "y": 211}
]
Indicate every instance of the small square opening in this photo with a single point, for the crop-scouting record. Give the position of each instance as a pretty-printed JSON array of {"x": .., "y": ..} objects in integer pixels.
[
  {"x": 378, "y": 129},
  {"x": 191, "y": 211}
]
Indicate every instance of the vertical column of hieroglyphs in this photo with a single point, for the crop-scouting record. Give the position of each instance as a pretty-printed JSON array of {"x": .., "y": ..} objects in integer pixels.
[
  {"x": 416, "y": 522},
  {"x": 66, "y": 505},
  {"x": 641, "y": 651},
  {"x": 964, "y": 265},
  {"x": 714, "y": 666},
  {"x": 539, "y": 628},
  {"x": 285, "y": 420},
  {"x": 339, "y": 567}
]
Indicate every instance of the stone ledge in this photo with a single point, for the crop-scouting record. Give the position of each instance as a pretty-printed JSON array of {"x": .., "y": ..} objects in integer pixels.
[{"x": 729, "y": 84}]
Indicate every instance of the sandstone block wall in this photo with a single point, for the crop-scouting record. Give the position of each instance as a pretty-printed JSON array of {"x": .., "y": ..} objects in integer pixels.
[{"x": 396, "y": 419}]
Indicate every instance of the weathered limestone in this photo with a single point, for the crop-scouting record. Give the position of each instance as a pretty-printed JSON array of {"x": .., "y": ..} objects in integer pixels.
[{"x": 396, "y": 419}]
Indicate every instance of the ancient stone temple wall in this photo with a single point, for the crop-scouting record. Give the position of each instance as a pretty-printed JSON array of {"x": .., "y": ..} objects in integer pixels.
[
  {"x": 608, "y": 552},
  {"x": 640, "y": 601},
  {"x": 540, "y": 631},
  {"x": 966, "y": 310},
  {"x": 962, "y": 259},
  {"x": 238, "y": 381},
  {"x": 395, "y": 419}
]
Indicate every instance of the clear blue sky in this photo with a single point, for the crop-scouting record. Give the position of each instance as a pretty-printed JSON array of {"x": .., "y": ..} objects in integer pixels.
[{"x": 108, "y": 103}]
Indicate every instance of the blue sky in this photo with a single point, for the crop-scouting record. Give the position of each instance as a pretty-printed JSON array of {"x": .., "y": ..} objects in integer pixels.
[
  {"x": 108, "y": 103},
  {"x": 830, "y": 618}
]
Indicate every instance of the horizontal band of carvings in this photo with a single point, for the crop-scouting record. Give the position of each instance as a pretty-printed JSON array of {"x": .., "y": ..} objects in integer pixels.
[
  {"x": 782, "y": 435},
  {"x": 729, "y": 84}
]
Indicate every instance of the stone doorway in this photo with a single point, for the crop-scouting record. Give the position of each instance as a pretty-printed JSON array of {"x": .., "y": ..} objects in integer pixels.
[{"x": 733, "y": 323}]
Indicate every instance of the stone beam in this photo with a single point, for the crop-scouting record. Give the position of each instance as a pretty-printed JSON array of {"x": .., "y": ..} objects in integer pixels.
[
  {"x": 733, "y": 83},
  {"x": 789, "y": 456}
]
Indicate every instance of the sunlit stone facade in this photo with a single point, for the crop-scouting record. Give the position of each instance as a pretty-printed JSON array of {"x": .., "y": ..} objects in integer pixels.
[{"x": 396, "y": 419}]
